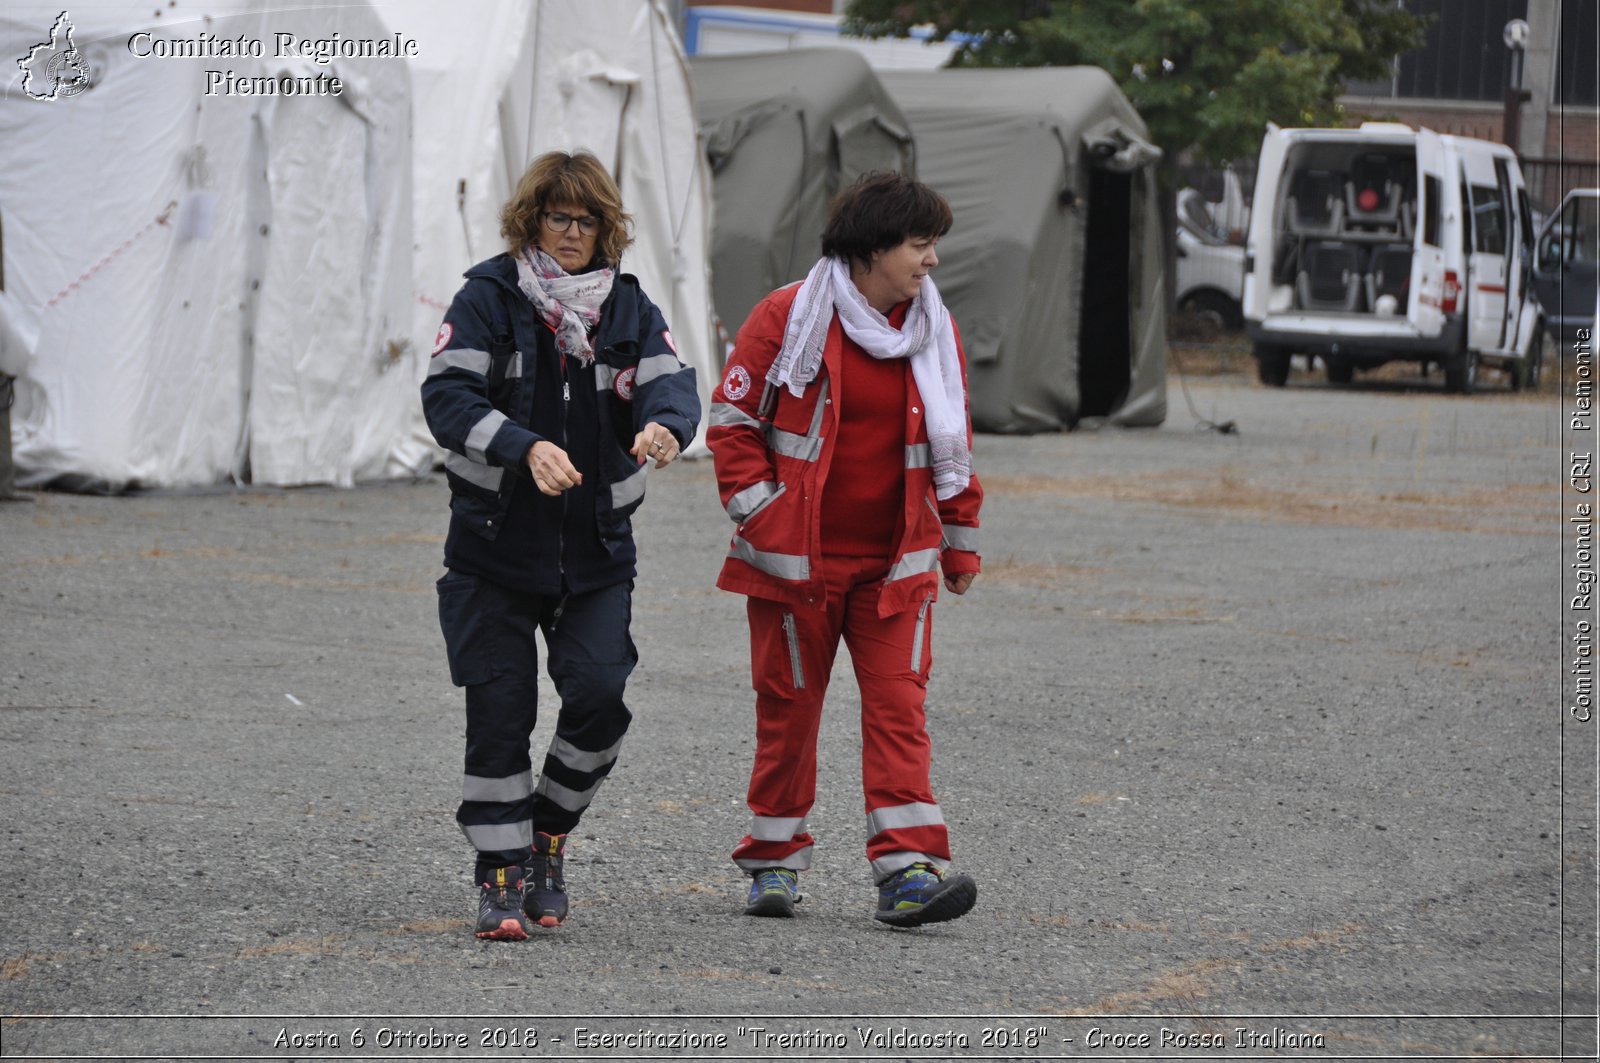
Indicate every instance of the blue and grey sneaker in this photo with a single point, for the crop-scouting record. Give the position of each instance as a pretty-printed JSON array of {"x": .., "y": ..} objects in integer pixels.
[
  {"x": 774, "y": 891},
  {"x": 922, "y": 894}
]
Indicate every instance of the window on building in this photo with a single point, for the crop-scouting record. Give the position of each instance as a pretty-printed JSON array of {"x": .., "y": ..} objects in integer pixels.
[
  {"x": 1576, "y": 78},
  {"x": 1464, "y": 56}
]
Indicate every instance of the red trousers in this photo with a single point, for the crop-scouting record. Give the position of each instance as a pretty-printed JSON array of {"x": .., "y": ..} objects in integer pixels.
[{"x": 791, "y": 657}]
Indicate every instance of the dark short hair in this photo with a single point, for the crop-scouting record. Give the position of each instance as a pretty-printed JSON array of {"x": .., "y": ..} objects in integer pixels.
[
  {"x": 880, "y": 211},
  {"x": 559, "y": 177}
]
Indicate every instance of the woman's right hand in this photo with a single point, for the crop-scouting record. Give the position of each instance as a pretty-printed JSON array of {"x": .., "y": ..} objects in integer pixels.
[{"x": 552, "y": 472}]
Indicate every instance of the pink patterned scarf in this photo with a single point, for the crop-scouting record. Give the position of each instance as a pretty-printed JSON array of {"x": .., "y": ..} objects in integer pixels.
[{"x": 569, "y": 303}]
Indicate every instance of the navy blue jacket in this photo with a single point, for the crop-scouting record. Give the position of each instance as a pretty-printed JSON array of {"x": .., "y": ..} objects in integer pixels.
[{"x": 496, "y": 385}]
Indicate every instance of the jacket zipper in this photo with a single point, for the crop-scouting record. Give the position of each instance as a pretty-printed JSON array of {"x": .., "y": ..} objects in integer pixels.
[{"x": 561, "y": 531}]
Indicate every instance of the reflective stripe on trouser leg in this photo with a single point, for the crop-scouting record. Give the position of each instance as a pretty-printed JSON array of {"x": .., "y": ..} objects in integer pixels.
[
  {"x": 892, "y": 656},
  {"x": 787, "y": 646},
  {"x": 591, "y": 657}
]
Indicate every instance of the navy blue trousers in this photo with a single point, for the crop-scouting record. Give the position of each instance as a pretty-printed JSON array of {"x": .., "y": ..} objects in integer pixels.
[{"x": 490, "y": 638}]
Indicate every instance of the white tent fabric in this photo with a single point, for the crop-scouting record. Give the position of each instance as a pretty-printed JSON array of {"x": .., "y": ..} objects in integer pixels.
[
  {"x": 608, "y": 76},
  {"x": 206, "y": 287}
]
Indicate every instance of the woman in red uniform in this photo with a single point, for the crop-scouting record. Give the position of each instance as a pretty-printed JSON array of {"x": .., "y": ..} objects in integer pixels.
[{"x": 843, "y": 454}]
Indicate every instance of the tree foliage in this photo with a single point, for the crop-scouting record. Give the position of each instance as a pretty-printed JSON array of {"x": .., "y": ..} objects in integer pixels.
[{"x": 1206, "y": 75}]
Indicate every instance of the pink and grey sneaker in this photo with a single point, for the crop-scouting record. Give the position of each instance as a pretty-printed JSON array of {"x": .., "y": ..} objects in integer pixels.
[
  {"x": 500, "y": 906},
  {"x": 545, "y": 899}
]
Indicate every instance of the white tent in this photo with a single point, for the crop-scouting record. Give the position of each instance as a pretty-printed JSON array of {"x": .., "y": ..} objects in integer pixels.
[
  {"x": 203, "y": 286},
  {"x": 608, "y": 76}
]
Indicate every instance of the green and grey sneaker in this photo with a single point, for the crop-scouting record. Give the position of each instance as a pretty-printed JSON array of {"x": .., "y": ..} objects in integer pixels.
[
  {"x": 774, "y": 891},
  {"x": 546, "y": 898},
  {"x": 500, "y": 906},
  {"x": 922, "y": 894}
]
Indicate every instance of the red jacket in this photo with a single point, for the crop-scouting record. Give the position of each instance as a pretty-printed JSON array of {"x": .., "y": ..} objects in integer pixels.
[{"x": 771, "y": 465}]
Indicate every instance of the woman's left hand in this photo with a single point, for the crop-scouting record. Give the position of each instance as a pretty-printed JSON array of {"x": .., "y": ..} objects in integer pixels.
[
  {"x": 656, "y": 442},
  {"x": 959, "y": 584}
]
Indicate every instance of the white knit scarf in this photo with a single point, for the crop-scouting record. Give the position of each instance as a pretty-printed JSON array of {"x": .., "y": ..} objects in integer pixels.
[
  {"x": 927, "y": 338},
  {"x": 568, "y": 302}
]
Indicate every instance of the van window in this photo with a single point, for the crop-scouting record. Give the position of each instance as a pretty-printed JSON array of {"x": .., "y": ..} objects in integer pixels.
[
  {"x": 1527, "y": 219},
  {"x": 1432, "y": 193},
  {"x": 1466, "y": 217},
  {"x": 1488, "y": 220},
  {"x": 1575, "y": 235}
]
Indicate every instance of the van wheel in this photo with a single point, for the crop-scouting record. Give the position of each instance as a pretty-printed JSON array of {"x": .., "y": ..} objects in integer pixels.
[
  {"x": 1272, "y": 365},
  {"x": 1340, "y": 370},
  {"x": 1215, "y": 310},
  {"x": 1461, "y": 373}
]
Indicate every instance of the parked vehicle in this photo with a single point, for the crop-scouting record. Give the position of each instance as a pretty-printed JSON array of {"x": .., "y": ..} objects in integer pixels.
[
  {"x": 1565, "y": 268},
  {"x": 1385, "y": 242},
  {"x": 1210, "y": 268}
]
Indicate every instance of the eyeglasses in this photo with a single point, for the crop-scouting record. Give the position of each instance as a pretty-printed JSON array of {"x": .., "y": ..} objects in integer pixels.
[{"x": 557, "y": 222}]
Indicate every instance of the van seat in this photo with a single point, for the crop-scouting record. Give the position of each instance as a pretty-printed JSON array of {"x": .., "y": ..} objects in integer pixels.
[
  {"x": 1315, "y": 205},
  {"x": 1330, "y": 276},
  {"x": 1372, "y": 196},
  {"x": 1389, "y": 273}
]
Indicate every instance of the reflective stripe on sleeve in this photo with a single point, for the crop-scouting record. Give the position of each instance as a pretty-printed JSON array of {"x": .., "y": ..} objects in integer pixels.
[
  {"x": 960, "y": 537},
  {"x": 492, "y": 837},
  {"x": 919, "y": 456},
  {"x": 916, "y": 814},
  {"x": 655, "y": 367},
  {"x": 484, "y": 476},
  {"x": 791, "y": 445},
  {"x": 914, "y": 563},
  {"x": 626, "y": 492},
  {"x": 727, "y": 415},
  {"x": 504, "y": 791},
  {"x": 745, "y": 502},
  {"x": 459, "y": 358},
  {"x": 796, "y": 567},
  {"x": 482, "y": 433}
]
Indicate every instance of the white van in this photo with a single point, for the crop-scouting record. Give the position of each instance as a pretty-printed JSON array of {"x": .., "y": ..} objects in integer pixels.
[
  {"x": 1384, "y": 242},
  {"x": 1210, "y": 268}
]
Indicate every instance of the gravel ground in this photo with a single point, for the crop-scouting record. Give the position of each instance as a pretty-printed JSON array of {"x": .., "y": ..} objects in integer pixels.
[{"x": 1259, "y": 732}]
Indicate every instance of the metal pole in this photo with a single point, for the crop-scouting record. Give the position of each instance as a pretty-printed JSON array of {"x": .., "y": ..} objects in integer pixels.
[{"x": 8, "y": 471}]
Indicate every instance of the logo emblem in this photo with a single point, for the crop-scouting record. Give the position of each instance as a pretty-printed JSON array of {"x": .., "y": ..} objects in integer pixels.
[
  {"x": 442, "y": 340},
  {"x": 624, "y": 385},
  {"x": 55, "y": 68},
  {"x": 736, "y": 385}
]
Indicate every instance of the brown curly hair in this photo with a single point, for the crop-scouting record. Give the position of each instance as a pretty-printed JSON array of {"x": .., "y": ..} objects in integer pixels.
[{"x": 558, "y": 177}]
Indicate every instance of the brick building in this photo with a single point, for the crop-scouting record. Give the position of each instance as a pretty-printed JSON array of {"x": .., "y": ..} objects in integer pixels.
[{"x": 1457, "y": 83}]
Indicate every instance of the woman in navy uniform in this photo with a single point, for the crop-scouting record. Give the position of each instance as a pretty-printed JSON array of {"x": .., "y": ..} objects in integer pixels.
[{"x": 555, "y": 388}]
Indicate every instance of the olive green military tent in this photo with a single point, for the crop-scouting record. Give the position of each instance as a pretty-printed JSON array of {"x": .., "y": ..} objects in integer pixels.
[
  {"x": 1053, "y": 270},
  {"x": 784, "y": 131}
]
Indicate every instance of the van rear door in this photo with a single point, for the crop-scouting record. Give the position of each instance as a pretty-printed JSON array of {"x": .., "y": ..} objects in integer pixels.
[
  {"x": 1261, "y": 245},
  {"x": 1434, "y": 229}
]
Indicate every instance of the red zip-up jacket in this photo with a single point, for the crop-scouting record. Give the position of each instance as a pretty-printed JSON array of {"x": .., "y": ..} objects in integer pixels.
[{"x": 771, "y": 464}]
